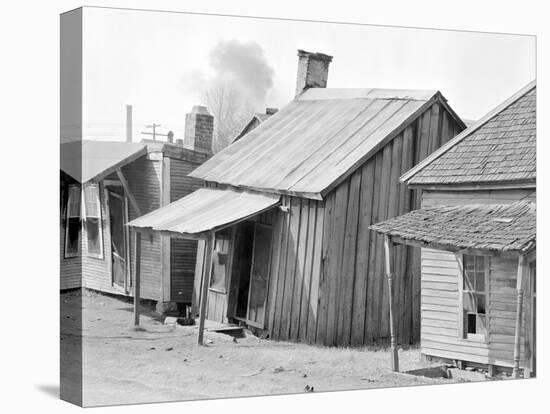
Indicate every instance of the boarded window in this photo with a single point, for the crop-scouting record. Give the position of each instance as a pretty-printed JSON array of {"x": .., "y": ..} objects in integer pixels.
[
  {"x": 474, "y": 296},
  {"x": 72, "y": 226},
  {"x": 93, "y": 220}
]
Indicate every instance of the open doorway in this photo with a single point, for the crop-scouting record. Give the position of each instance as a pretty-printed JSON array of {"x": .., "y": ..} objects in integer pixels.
[{"x": 251, "y": 272}]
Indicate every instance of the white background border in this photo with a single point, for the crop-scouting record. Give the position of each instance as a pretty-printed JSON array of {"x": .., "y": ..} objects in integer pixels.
[{"x": 29, "y": 97}]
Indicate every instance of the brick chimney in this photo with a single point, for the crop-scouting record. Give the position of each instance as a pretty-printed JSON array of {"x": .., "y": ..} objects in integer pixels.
[
  {"x": 199, "y": 129},
  {"x": 312, "y": 71}
]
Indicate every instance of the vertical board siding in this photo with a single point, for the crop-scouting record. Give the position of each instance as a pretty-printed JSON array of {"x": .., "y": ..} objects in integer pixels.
[
  {"x": 347, "y": 290},
  {"x": 183, "y": 253},
  {"x": 440, "y": 307}
]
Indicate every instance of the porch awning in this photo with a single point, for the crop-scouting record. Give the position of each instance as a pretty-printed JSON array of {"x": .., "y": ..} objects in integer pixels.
[
  {"x": 206, "y": 210},
  {"x": 493, "y": 228}
]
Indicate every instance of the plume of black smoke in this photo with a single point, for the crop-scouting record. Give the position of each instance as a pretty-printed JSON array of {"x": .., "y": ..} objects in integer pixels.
[
  {"x": 238, "y": 87},
  {"x": 244, "y": 66}
]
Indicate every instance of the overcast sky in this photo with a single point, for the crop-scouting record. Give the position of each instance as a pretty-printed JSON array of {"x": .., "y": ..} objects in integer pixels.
[{"x": 161, "y": 62}]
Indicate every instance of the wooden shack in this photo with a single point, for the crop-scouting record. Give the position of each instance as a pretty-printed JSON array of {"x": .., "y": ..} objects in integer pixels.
[
  {"x": 477, "y": 232},
  {"x": 298, "y": 261},
  {"x": 106, "y": 184}
]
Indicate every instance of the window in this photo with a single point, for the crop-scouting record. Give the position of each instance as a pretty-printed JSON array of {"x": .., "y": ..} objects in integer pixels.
[
  {"x": 474, "y": 296},
  {"x": 72, "y": 223},
  {"x": 93, "y": 220}
]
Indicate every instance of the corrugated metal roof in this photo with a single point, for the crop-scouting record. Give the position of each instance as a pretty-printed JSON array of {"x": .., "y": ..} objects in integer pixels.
[
  {"x": 315, "y": 140},
  {"x": 89, "y": 160},
  {"x": 491, "y": 227},
  {"x": 207, "y": 209},
  {"x": 500, "y": 147}
]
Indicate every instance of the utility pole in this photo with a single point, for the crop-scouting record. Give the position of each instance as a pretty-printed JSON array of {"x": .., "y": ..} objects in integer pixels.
[
  {"x": 154, "y": 127},
  {"x": 169, "y": 136}
]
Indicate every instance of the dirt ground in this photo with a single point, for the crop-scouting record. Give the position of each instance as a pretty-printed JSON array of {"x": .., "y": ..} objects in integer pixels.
[{"x": 164, "y": 363}]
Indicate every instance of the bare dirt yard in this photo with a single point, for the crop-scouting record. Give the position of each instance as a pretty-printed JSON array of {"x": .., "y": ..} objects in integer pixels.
[{"x": 122, "y": 365}]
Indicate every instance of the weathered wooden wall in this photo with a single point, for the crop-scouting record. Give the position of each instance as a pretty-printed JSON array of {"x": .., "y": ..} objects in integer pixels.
[
  {"x": 349, "y": 300},
  {"x": 440, "y": 291},
  {"x": 460, "y": 198},
  {"x": 183, "y": 253},
  {"x": 441, "y": 335},
  {"x": 220, "y": 304},
  {"x": 71, "y": 267},
  {"x": 143, "y": 177},
  {"x": 293, "y": 293}
]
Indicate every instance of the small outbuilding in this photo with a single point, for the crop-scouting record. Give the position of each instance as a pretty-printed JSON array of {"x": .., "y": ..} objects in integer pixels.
[
  {"x": 284, "y": 217},
  {"x": 477, "y": 232},
  {"x": 104, "y": 185}
]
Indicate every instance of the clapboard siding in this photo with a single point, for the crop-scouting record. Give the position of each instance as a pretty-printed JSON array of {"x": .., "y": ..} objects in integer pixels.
[
  {"x": 70, "y": 268},
  {"x": 183, "y": 253},
  {"x": 96, "y": 272},
  {"x": 460, "y": 197},
  {"x": 346, "y": 289},
  {"x": 440, "y": 330}
]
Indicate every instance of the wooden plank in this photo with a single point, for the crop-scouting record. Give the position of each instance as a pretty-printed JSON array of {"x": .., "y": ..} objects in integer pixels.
[
  {"x": 433, "y": 142},
  {"x": 439, "y": 293},
  {"x": 382, "y": 311},
  {"x": 314, "y": 301},
  {"x": 205, "y": 285},
  {"x": 137, "y": 281},
  {"x": 440, "y": 301},
  {"x": 129, "y": 194},
  {"x": 362, "y": 252},
  {"x": 299, "y": 270},
  {"x": 197, "y": 280},
  {"x": 402, "y": 269},
  {"x": 349, "y": 257},
  {"x": 274, "y": 273},
  {"x": 394, "y": 210},
  {"x": 286, "y": 313},
  {"x": 282, "y": 270},
  {"x": 336, "y": 252},
  {"x": 308, "y": 269},
  {"x": 328, "y": 227},
  {"x": 522, "y": 273},
  {"x": 371, "y": 328}
]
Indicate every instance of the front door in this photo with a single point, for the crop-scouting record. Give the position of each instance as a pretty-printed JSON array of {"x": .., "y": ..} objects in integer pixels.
[
  {"x": 119, "y": 241},
  {"x": 259, "y": 275}
]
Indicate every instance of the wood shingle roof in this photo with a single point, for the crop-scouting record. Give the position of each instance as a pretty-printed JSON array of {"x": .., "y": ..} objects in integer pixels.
[
  {"x": 500, "y": 148},
  {"x": 489, "y": 227}
]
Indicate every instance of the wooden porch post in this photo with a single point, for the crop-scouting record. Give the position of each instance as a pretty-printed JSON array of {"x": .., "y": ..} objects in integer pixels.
[
  {"x": 389, "y": 273},
  {"x": 137, "y": 279},
  {"x": 519, "y": 315},
  {"x": 206, "y": 271}
]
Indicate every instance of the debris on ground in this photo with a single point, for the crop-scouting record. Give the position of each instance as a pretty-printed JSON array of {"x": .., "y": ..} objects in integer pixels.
[{"x": 308, "y": 388}]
